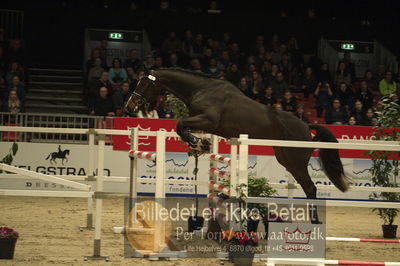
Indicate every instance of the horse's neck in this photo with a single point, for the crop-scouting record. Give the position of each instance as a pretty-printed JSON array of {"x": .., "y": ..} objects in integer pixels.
[{"x": 178, "y": 84}]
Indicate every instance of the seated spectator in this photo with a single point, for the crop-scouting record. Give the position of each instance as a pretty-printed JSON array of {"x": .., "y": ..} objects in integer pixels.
[
  {"x": 133, "y": 61},
  {"x": 149, "y": 63},
  {"x": 308, "y": 82},
  {"x": 352, "y": 121},
  {"x": 267, "y": 98},
  {"x": 365, "y": 95},
  {"x": 279, "y": 85},
  {"x": 198, "y": 45},
  {"x": 369, "y": 115},
  {"x": 286, "y": 67},
  {"x": 295, "y": 53},
  {"x": 387, "y": 85},
  {"x": 289, "y": 102},
  {"x": 359, "y": 112},
  {"x": 187, "y": 44},
  {"x": 173, "y": 61},
  {"x": 207, "y": 55},
  {"x": 300, "y": 113},
  {"x": 92, "y": 60},
  {"x": 103, "y": 104},
  {"x": 224, "y": 62},
  {"x": 345, "y": 95},
  {"x": 234, "y": 53},
  {"x": 233, "y": 74},
  {"x": 369, "y": 118},
  {"x": 132, "y": 78},
  {"x": 323, "y": 93},
  {"x": 96, "y": 70},
  {"x": 342, "y": 75},
  {"x": 244, "y": 86},
  {"x": 121, "y": 96},
  {"x": 94, "y": 88},
  {"x": 324, "y": 75},
  {"x": 256, "y": 85},
  {"x": 165, "y": 111},
  {"x": 13, "y": 104},
  {"x": 372, "y": 83},
  {"x": 150, "y": 113},
  {"x": 117, "y": 74},
  {"x": 212, "y": 68},
  {"x": 272, "y": 74},
  {"x": 172, "y": 44},
  {"x": 195, "y": 65},
  {"x": 14, "y": 70},
  {"x": 18, "y": 87},
  {"x": 336, "y": 115},
  {"x": 158, "y": 62},
  {"x": 265, "y": 71}
]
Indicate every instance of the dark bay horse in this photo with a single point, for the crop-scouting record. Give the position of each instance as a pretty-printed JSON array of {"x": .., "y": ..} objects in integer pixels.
[{"x": 218, "y": 107}]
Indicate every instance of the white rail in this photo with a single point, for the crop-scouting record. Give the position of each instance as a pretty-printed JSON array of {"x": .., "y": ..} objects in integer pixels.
[
  {"x": 330, "y": 203},
  {"x": 320, "y": 145},
  {"x": 48, "y": 178}
]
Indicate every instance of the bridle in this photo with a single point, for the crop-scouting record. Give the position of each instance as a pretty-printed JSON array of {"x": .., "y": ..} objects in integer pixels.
[{"x": 141, "y": 100}]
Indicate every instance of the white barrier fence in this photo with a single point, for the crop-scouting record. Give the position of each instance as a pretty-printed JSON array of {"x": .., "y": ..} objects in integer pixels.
[{"x": 239, "y": 165}]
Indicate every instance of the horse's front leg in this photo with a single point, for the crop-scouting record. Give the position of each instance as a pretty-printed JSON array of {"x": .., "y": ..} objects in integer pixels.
[{"x": 198, "y": 122}]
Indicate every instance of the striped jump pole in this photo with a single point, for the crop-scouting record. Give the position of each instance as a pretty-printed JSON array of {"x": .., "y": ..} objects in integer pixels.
[
  {"x": 145, "y": 155},
  {"x": 353, "y": 262},
  {"x": 220, "y": 188},
  {"x": 368, "y": 240},
  {"x": 220, "y": 159},
  {"x": 220, "y": 173},
  {"x": 304, "y": 261}
]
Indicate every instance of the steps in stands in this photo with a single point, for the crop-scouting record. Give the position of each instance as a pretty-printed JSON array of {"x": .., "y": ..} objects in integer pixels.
[{"x": 55, "y": 90}]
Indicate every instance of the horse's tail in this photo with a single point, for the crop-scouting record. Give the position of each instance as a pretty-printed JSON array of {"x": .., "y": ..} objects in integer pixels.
[
  {"x": 48, "y": 156},
  {"x": 332, "y": 165}
]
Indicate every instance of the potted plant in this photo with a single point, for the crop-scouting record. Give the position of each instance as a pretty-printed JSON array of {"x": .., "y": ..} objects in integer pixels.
[
  {"x": 241, "y": 246},
  {"x": 8, "y": 239},
  {"x": 385, "y": 165},
  {"x": 257, "y": 187}
]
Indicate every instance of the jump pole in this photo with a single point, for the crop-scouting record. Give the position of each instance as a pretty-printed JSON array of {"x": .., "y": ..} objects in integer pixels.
[
  {"x": 89, "y": 216},
  {"x": 133, "y": 167},
  {"x": 99, "y": 203},
  {"x": 159, "y": 233},
  {"x": 243, "y": 163}
]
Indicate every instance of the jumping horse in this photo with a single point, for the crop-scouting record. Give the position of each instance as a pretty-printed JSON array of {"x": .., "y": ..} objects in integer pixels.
[{"x": 218, "y": 107}]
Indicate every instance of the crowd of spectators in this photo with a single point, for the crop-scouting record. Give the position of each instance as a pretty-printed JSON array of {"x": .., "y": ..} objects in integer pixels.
[
  {"x": 12, "y": 75},
  {"x": 274, "y": 72}
]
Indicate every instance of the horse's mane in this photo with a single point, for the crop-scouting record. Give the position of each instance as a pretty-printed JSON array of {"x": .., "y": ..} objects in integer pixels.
[{"x": 199, "y": 74}]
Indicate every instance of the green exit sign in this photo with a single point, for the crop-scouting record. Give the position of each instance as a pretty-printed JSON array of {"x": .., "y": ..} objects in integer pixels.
[
  {"x": 348, "y": 46},
  {"x": 115, "y": 35}
]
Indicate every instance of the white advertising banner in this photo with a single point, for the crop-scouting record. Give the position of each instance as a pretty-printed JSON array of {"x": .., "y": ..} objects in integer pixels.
[{"x": 73, "y": 159}]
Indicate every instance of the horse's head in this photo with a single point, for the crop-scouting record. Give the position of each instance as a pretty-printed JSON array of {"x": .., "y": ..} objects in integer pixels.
[
  {"x": 145, "y": 94},
  {"x": 66, "y": 152}
]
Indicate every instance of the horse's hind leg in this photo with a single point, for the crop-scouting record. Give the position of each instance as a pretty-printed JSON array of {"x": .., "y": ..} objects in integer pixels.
[{"x": 296, "y": 162}]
